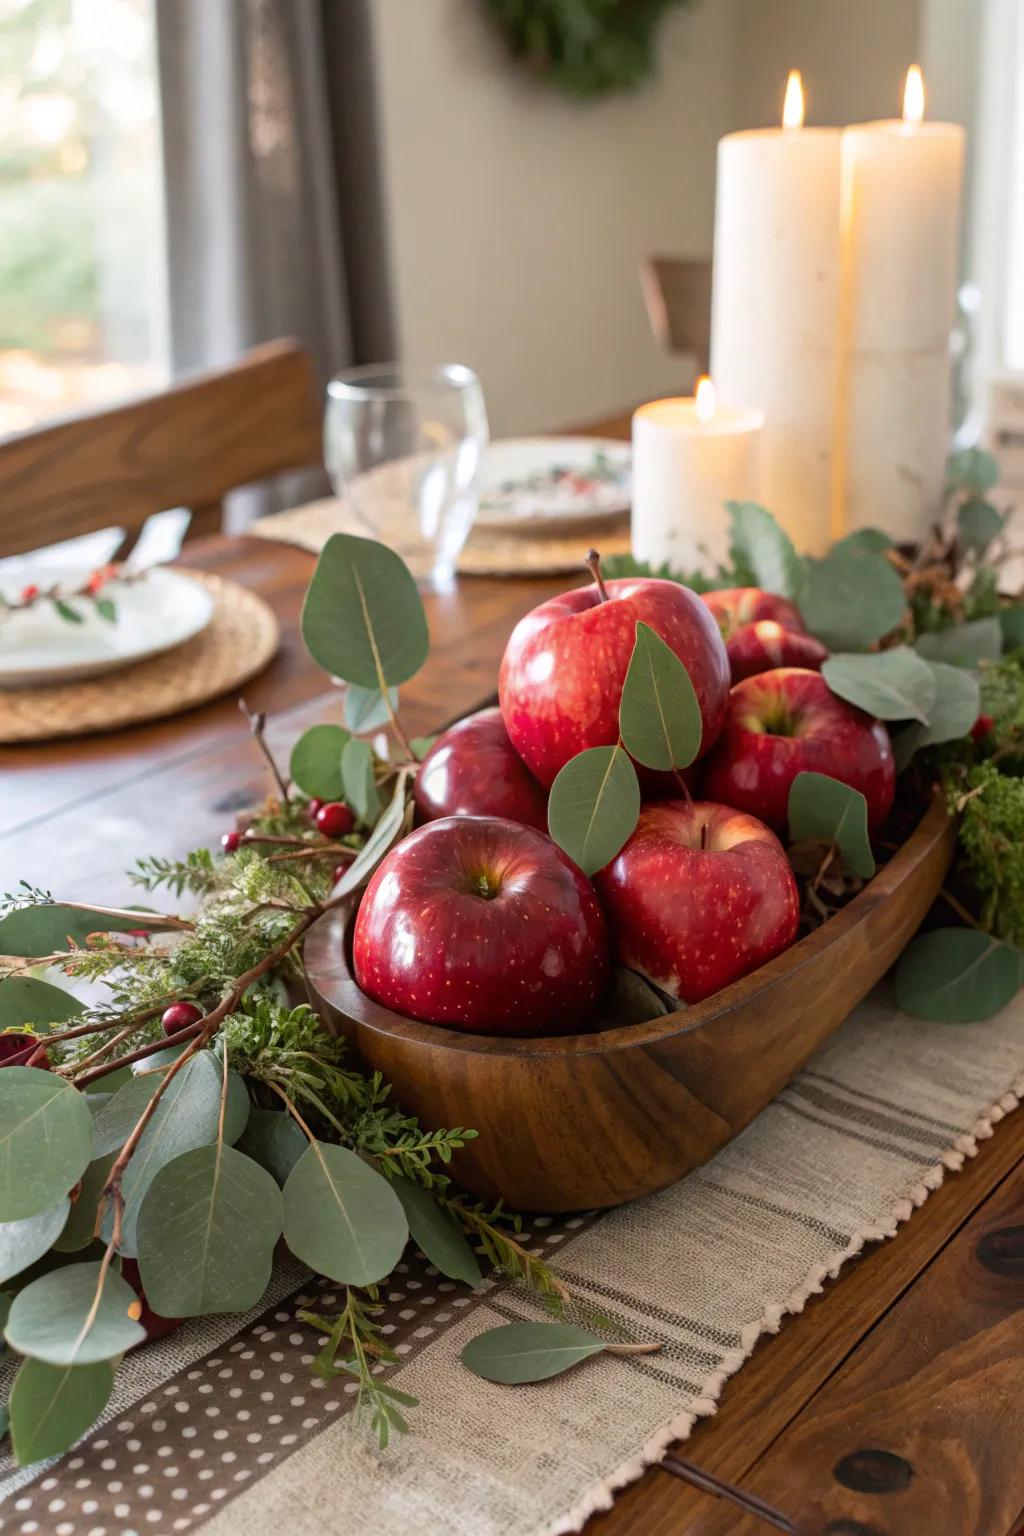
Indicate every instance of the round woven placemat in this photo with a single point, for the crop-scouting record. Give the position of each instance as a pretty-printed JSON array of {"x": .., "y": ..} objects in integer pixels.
[
  {"x": 486, "y": 553},
  {"x": 239, "y": 641}
]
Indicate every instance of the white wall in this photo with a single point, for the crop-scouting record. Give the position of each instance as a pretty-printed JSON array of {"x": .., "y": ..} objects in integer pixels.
[{"x": 517, "y": 217}]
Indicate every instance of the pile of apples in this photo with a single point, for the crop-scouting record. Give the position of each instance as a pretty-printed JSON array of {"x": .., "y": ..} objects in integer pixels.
[{"x": 478, "y": 921}]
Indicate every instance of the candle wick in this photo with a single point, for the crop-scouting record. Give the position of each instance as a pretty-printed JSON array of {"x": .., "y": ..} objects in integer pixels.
[{"x": 593, "y": 564}]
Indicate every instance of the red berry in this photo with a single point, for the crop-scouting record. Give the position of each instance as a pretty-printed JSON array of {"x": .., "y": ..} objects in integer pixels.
[
  {"x": 230, "y": 841},
  {"x": 335, "y": 819},
  {"x": 29, "y": 593},
  {"x": 982, "y": 727},
  {"x": 179, "y": 1016},
  {"x": 313, "y": 808}
]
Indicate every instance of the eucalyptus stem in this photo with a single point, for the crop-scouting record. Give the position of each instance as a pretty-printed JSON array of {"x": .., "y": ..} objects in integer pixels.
[{"x": 258, "y": 724}]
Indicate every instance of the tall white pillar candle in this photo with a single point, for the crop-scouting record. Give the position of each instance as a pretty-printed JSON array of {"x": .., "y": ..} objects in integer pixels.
[
  {"x": 775, "y": 308},
  {"x": 690, "y": 457},
  {"x": 901, "y": 223}
]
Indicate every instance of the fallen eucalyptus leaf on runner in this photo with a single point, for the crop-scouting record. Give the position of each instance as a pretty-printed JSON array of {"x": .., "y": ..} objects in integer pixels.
[
  {"x": 436, "y": 1232},
  {"x": 594, "y": 806},
  {"x": 363, "y": 619},
  {"x": 965, "y": 645},
  {"x": 316, "y": 761},
  {"x": 50, "y": 1319},
  {"x": 762, "y": 546},
  {"x": 52, "y": 1406},
  {"x": 517, "y": 1353},
  {"x": 45, "y": 1140},
  {"x": 822, "y": 807},
  {"x": 957, "y": 976},
  {"x": 659, "y": 716},
  {"x": 206, "y": 1233},
  {"x": 891, "y": 685},
  {"x": 341, "y": 1217},
  {"x": 23, "y": 1242},
  {"x": 26, "y": 1000}
]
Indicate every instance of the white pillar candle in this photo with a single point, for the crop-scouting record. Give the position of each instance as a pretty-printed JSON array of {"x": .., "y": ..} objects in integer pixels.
[
  {"x": 901, "y": 224},
  {"x": 690, "y": 456},
  {"x": 775, "y": 308}
]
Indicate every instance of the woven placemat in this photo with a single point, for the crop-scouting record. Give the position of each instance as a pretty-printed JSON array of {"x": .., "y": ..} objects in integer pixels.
[
  {"x": 486, "y": 553},
  {"x": 239, "y": 641}
]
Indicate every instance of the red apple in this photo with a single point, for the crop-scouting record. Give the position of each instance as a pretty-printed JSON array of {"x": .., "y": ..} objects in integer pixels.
[
  {"x": 474, "y": 770},
  {"x": 736, "y": 606},
  {"x": 482, "y": 924},
  {"x": 17, "y": 1046},
  {"x": 155, "y": 1325},
  {"x": 787, "y": 722},
  {"x": 563, "y": 669},
  {"x": 764, "y": 645},
  {"x": 700, "y": 895}
]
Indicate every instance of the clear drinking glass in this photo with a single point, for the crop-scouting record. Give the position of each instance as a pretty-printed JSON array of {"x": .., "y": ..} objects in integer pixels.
[{"x": 403, "y": 446}]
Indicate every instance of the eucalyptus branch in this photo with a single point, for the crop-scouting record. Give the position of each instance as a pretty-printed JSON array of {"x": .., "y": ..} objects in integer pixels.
[{"x": 257, "y": 724}]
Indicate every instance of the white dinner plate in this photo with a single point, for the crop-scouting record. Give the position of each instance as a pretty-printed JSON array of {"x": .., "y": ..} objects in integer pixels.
[
  {"x": 159, "y": 610},
  {"x": 552, "y": 484}
]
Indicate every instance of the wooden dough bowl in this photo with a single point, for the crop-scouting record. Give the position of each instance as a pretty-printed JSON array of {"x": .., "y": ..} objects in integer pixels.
[{"x": 592, "y": 1120}]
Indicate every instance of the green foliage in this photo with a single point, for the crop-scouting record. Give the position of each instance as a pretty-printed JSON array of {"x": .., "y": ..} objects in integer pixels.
[
  {"x": 990, "y": 853},
  {"x": 341, "y": 1217},
  {"x": 823, "y": 809},
  {"x": 360, "y": 787},
  {"x": 363, "y": 620},
  {"x": 316, "y": 761},
  {"x": 33, "y": 932},
  {"x": 45, "y": 1141},
  {"x": 698, "y": 581},
  {"x": 384, "y": 835},
  {"x": 521, "y": 1352},
  {"x": 893, "y": 685},
  {"x": 366, "y": 709},
  {"x": 26, "y": 1001},
  {"x": 957, "y": 976},
  {"x": 978, "y": 522},
  {"x": 851, "y": 598},
  {"x": 585, "y": 47},
  {"x": 273, "y": 1140},
  {"x": 436, "y": 1231},
  {"x": 23, "y": 1242},
  {"x": 594, "y": 806},
  {"x": 53, "y": 1405},
  {"x": 950, "y": 718},
  {"x": 763, "y": 550},
  {"x": 354, "y": 1329},
  {"x": 659, "y": 716},
  {"x": 74, "y": 1316},
  {"x": 972, "y": 471},
  {"x": 963, "y": 645}
]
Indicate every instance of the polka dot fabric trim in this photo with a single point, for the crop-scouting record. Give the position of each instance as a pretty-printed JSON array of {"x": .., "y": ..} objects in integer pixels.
[{"x": 185, "y": 1449}]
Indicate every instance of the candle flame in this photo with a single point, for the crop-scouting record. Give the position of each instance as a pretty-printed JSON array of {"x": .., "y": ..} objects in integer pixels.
[
  {"x": 705, "y": 402},
  {"x": 793, "y": 106},
  {"x": 913, "y": 95}
]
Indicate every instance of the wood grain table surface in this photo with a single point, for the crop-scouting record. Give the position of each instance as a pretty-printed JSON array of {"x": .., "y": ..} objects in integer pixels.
[{"x": 892, "y": 1405}]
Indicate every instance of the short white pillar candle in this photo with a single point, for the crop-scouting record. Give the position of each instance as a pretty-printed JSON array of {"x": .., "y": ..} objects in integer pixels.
[{"x": 691, "y": 456}]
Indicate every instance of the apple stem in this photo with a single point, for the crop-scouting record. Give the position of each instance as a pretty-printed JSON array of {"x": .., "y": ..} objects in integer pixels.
[
  {"x": 703, "y": 835},
  {"x": 593, "y": 564}
]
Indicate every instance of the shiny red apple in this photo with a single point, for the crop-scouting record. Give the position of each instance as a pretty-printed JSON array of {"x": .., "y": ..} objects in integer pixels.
[
  {"x": 700, "y": 895},
  {"x": 474, "y": 770},
  {"x": 562, "y": 673},
  {"x": 480, "y": 923},
  {"x": 17, "y": 1047},
  {"x": 764, "y": 645},
  {"x": 735, "y": 606},
  {"x": 787, "y": 722}
]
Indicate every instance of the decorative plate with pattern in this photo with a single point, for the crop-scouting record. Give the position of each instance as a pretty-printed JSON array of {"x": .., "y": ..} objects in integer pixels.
[{"x": 551, "y": 484}]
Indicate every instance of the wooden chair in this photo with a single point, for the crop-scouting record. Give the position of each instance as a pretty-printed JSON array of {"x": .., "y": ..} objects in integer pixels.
[
  {"x": 185, "y": 447},
  {"x": 677, "y": 294}
]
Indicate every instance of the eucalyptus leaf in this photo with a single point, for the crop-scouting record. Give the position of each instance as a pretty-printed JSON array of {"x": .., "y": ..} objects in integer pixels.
[
  {"x": 24, "y": 1000},
  {"x": 118, "y": 1116},
  {"x": 358, "y": 780},
  {"x": 978, "y": 522},
  {"x": 437, "y": 1233},
  {"x": 52, "y": 1406},
  {"x": 659, "y": 716},
  {"x": 363, "y": 620},
  {"x": 873, "y": 540},
  {"x": 521, "y": 1352},
  {"x": 237, "y": 1109},
  {"x": 6, "y": 1297},
  {"x": 50, "y": 1319},
  {"x": 974, "y": 470},
  {"x": 1011, "y": 622},
  {"x": 78, "y": 1230},
  {"x": 272, "y": 1139},
  {"x": 892, "y": 685},
  {"x": 187, "y": 1116},
  {"x": 957, "y": 705},
  {"x": 341, "y": 1217},
  {"x": 421, "y": 745},
  {"x": 23, "y": 1242},
  {"x": 45, "y": 1140},
  {"x": 764, "y": 549},
  {"x": 32, "y": 932},
  {"x": 851, "y": 598},
  {"x": 377, "y": 844},
  {"x": 957, "y": 976},
  {"x": 206, "y": 1233},
  {"x": 965, "y": 645},
  {"x": 823, "y": 808},
  {"x": 365, "y": 709},
  {"x": 594, "y": 806},
  {"x": 316, "y": 761}
]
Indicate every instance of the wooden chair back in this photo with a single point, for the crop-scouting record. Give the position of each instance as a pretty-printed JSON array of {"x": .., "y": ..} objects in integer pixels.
[
  {"x": 184, "y": 447},
  {"x": 677, "y": 294}
]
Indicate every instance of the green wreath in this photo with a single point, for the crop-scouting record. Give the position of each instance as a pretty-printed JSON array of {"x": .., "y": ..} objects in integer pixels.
[{"x": 586, "y": 47}]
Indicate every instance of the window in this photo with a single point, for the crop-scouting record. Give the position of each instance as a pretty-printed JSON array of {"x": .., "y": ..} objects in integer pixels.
[{"x": 81, "y": 241}]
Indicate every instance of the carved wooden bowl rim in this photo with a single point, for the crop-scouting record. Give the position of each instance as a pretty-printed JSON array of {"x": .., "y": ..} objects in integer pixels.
[{"x": 329, "y": 969}]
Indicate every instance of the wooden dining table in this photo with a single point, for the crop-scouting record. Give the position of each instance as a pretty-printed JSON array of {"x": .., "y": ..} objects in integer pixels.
[{"x": 919, "y": 1342}]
